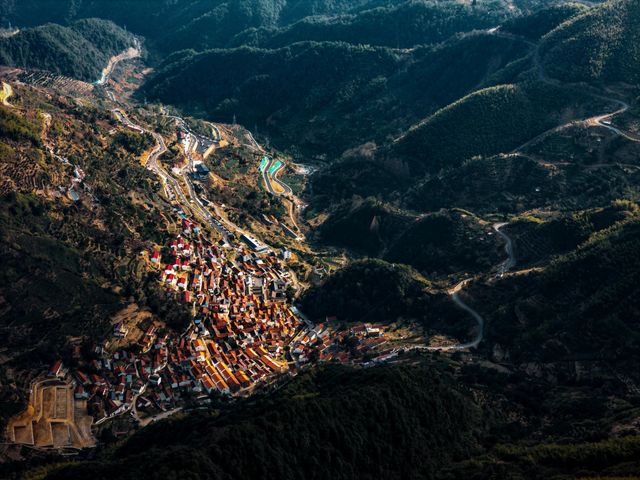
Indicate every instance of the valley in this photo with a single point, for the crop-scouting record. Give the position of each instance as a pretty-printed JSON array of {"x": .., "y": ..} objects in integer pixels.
[
  {"x": 235, "y": 233},
  {"x": 156, "y": 382}
]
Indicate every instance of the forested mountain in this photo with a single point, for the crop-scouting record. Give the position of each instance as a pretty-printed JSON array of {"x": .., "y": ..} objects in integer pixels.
[
  {"x": 328, "y": 97},
  {"x": 402, "y": 26},
  {"x": 436, "y": 244},
  {"x": 600, "y": 45},
  {"x": 370, "y": 290},
  {"x": 383, "y": 93},
  {"x": 203, "y": 24},
  {"x": 584, "y": 304},
  {"x": 486, "y": 122},
  {"x": 80, "y": 50},
  {"x": 319, "y": 425},
  {"x": 539, "y": 23},
  {"x": 449, "y": 284}
]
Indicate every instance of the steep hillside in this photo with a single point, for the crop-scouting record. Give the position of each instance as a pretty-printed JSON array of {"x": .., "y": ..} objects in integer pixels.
[
  {"x": 174, "y": 25},
  {"x": 327, "y": 97},
  {"x": 584, "y": 305},
  {"x": 486, "y": 122},
  {"x": 71, "y": 232},
  {"x": 367, "y": 226},
  {"x": 80, "y": 51},
  {"x": 321, "y": 422},
  {"x": 204, "y": 24},
  {"x": 539, "y": 23},
  {"x": 444, "y": 243},
  {"x": 517, "y": 183},
  {"x": 369, "y": 290},
  {"x": 436, "y": 244},
  {"x": 402, "y": 26},
  {"x": 536, "y": 239},
  {"x": 601, "y": 45},
  {"x": 222, "y": 23},
  {"x": 426, "y": 426}
]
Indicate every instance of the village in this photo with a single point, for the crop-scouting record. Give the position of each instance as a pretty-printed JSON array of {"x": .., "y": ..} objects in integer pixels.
[{"x": 244, "y": 335}]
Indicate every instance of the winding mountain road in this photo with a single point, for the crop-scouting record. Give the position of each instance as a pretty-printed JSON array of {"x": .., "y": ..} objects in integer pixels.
[
  {"x": 270, "y": 174},
  {"x": 605, "y": 121},
  {"x": 510, "y": 262},
  {"x": 171, "y": 187},
  {"x": 454, "y": 293},
  {"x": 602, "y": 120}
]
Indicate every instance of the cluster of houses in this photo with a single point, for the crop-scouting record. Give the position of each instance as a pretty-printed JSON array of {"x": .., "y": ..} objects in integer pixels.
[
  {"x": 241, "y": 320},
  {"x": 363, "y": 343},
  {"x": 243, "y": 332},
  {"x": 237, "y": 339}
]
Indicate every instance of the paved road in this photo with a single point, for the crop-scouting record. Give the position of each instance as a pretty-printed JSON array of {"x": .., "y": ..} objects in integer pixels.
[
  {"x": 197, "y": 205},
  {"x": 270, "y": 178},
  {"x": 455, "y": 297},
  {"x": 510, "y": 262},
  {"x": 254, "y": 144},
  {"x": 605, "y": 120},
  {"x": 601, "y": 120},
  {"x": 217, "y": 133},
  {"x": 265, "y": 176},
  {"x": 161, "y": 416},
  {"x": 286, "y": 188},
  {"x": 170, "y": 184}
]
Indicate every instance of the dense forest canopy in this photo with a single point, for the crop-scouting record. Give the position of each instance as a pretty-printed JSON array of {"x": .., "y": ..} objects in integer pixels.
[{"x": 80, "y": 50}]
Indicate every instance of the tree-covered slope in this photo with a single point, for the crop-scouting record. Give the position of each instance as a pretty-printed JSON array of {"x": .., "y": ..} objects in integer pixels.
[
  {"x": 80, "y": 51},
  {"x": 367, "y": 225},
  {"x": 537, "y": 239},
  {"x": 436, "y": 244},
  {"x": 327, "y": 97},
  {"x": 399, "y": 26},
  {"x": 172, "y": 25},
  {"x": 446, "y": 242},
  {"x": 541, "y": 22},
  {"x": 486, "y": 122},
  {"x": 369, "y": 290},
  {"x": 583, "y": 305},
  {"x": 600, "y": 45},
  {"x": 319, "y": 426},
  {"x": 203, "y": 24}
]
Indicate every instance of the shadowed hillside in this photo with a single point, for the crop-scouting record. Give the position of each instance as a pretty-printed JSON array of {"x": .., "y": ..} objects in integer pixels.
[
  {"x": 80, "y": 50},
  {"x": 600, "y": 45}
]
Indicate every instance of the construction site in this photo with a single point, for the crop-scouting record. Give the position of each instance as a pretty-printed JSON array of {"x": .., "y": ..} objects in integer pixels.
[{"x": 54, "y": 419}]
